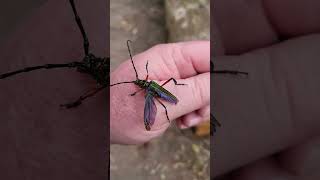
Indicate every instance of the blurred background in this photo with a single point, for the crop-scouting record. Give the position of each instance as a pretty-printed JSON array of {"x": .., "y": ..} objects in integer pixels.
[{"x": 175, "y": 155}]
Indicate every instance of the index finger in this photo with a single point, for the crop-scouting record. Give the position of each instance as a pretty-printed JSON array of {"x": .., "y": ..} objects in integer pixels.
[{"x": 191, "y": 58}]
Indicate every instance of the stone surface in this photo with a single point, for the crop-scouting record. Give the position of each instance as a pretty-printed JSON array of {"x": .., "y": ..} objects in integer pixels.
[
  {"x": 172, "y": 156},
  {"x": 188, "y": 19},
  {"x": 141, "y": 21}
]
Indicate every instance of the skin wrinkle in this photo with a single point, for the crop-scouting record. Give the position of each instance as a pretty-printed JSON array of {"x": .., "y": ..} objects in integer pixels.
[
  {"x": 193, "y": 89},
  {"x": 270, "y": 75},
  {"x": 174, "y": 50},
  {"x": 290, "y": 112},
  {"x": 188, "y": 60},
  {"x": 177, "y": 56},
  {"x": 198, "y": 87},
  {"x": 290, "y": 97},
  {"x": 269, "y": 57},
  {"x": 293, "y": 124},
  {"x": 163, "y": 50}
]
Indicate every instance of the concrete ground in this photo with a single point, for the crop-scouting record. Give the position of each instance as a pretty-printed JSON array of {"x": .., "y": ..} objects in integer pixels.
[
  {"x": 175, "y": 155},
  {"x": 170, "y": 157}
]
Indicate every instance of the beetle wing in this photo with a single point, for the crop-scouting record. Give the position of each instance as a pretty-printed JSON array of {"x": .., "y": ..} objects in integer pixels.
[
  {"x": 166, "y": 95},
  {"x": 150, "y": 110},
  {"x": 162, "y": 93}
]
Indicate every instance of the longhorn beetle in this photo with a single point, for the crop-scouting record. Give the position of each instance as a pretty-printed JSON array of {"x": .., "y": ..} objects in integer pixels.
[
  {"x": 96, "y": 67},
  {"x": 214, "y": 123},
  {"x": 153, "y": 91}
]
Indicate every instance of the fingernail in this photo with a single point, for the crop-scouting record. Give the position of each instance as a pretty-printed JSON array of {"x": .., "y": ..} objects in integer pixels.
[
  {"x": 183, "y": 126},
  {"x": 192, "y": 122}
]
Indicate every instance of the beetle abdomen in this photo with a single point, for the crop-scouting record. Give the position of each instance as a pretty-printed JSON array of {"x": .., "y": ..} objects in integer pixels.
[
  {"x": 162, "y": 93},
  {"x": 169, "y": 98}
]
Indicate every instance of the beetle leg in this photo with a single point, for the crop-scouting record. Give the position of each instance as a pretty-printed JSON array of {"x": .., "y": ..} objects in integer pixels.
[
  {"x": 136, "y": 92},
  {"x": 165, "y": 108},
  {"x": 230, "y": 72},
  {"x": 147, "y": 71},
  {"x": 214, "y": 123},
  {"x": 83, "y": 97},
  {"x": 175, "y": 82},
  {"x": 225, "y": 71}
]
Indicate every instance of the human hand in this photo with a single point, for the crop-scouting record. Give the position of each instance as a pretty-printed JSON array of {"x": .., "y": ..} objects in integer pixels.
[
  {"x": 188, "y": 63},
  {"x": 270, "y": 121}
]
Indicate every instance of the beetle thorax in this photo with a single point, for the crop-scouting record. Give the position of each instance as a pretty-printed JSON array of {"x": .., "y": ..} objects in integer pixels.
[
  {"x": 142, "y": 83},
  {"x": 97, "y": 67}
]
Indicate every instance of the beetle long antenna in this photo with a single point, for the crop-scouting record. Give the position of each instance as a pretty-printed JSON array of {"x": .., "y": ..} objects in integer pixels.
[
  {"x": 131, "y": 58},
  {"x": 125, "y": 82},
  {"x": 83, "y": 97},
  {"x": 46, "y": 66},
  {"x": 84, "y": 35},
  {"x": 230, "y": 72},
  {"x": 226, "y": 71}
]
